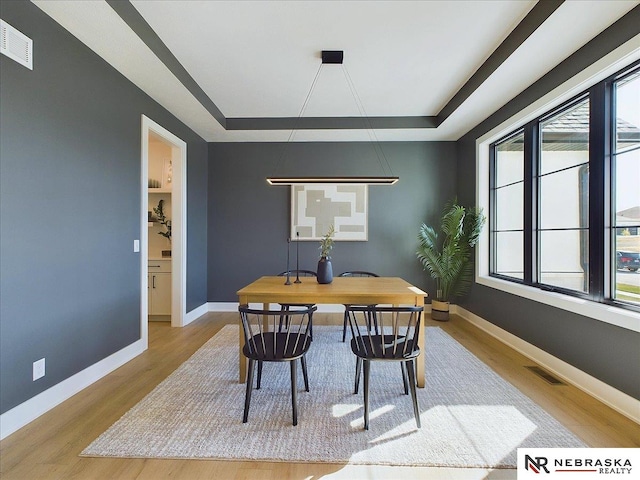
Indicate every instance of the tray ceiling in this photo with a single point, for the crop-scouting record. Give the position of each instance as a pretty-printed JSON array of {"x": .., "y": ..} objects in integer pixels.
[{"x": 420, "y": 70}]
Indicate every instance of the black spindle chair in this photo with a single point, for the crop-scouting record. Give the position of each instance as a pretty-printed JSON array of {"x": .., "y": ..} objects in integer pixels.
[
  {"x": 269, "y": 339},
  {"x": 397, "y": 341},
  {"x": 355, "y": 273}
]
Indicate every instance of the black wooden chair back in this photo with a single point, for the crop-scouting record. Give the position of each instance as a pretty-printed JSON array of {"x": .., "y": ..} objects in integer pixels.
[
  {"x": 300, "y": 273},
  {"x": 354, "y": 273},
  {"x": 296, "y": 274},
  {"x": 358, "y": 273}
]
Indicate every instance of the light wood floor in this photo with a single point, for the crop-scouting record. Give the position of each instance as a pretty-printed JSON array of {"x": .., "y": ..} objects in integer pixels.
[{"x": 48, "y": 447}]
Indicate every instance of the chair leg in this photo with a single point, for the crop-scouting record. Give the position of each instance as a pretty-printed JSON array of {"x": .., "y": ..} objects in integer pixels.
[
  {"x": 344, "y": 326},
  {"x": 414, "y": 397},
  {"x": 403, "y": 367},
  {"x": 358, "y": 368},
  {"x": 367, "y": 367},
  {"x": 283, "y": 308},
  {"x": 372, "y": 320},
  {"x": 247, "y": 396},
  {"x": 303, "y": 360},
  {"x": 294, "y": 392},
  {"x": 284, "y": 320},
  {"x": 259, "y": 375}
]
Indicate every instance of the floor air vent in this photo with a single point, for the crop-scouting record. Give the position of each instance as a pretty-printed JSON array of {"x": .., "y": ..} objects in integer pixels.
[{"x": 545, "y": 375}]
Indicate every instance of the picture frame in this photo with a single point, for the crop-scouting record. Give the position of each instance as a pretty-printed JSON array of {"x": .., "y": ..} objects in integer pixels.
[{"x": 315, "y": 207}]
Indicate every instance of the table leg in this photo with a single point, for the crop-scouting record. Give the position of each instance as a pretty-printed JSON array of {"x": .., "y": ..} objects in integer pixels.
[
  {"x": 420, "y": 370},
  {"x": 242, "y": 367},
  {"x": 265, "y": 318},
  {"x": 242, "y": 360},
  {"x": 420, "y": 367}
]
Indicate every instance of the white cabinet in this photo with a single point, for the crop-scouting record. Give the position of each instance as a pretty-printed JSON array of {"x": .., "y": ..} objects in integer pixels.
[{"x": 159, "y": 286}]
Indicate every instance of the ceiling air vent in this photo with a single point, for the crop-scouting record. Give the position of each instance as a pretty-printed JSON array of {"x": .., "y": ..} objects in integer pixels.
[{"x": 16, "y": 45}]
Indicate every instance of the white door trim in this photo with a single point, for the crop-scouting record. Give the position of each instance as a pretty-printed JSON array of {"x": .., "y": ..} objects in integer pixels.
[{"x": 178, "y": 225}]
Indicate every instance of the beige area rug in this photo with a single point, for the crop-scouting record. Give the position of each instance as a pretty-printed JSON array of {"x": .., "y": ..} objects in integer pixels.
[{"x": 470, "y": 416}]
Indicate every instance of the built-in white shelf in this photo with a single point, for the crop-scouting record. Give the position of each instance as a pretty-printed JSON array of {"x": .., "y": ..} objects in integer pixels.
[{"x": 159, "y": 190}]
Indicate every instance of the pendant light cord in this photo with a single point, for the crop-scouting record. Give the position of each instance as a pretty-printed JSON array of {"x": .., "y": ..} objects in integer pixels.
[
  {"x": 373, "y": 138},
  {"x": 306, "y": 102},
  {"x": 370, "y": 131},
  {"x": 297, "y": 123}
]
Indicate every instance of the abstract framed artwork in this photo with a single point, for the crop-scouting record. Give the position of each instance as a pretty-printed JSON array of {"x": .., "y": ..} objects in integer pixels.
[{"x": 314, "y": 208}]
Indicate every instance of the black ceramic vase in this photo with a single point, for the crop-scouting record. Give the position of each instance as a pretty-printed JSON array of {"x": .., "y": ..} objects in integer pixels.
[{"x": 325, "y": 270}]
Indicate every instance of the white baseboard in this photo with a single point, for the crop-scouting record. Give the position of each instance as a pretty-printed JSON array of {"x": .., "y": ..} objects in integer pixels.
[
  {"x": 223, "y": 306},
  {"x": 196, "y": 313},
  {"x": 26, "y": 412},
  {"x": 619, "y": 401}
]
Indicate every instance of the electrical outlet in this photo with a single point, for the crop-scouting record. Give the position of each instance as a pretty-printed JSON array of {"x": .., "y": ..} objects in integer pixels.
[{"x": 38, "y": 369}]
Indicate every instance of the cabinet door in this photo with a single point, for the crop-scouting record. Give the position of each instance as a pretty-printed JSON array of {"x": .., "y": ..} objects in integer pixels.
[{"x": 160, "y": 294}]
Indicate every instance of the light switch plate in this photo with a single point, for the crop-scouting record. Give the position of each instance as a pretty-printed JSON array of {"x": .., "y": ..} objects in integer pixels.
[
  {"x": 38, "y": 369},
  {"x": 136, "y": 245}
]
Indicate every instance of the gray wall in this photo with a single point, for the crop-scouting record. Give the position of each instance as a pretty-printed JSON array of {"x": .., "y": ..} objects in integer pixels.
[
  {"x": 249, "y": 220},
  {"x": 69, "y": 199},
  {"x": 70, "y": 208},
  {"x": 607, "y": 352},
  {"x": 197, "y": 178}
]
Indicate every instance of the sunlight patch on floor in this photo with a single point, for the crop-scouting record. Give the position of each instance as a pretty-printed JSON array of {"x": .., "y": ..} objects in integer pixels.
[
  {"x": 342, "y": 409},
  {"x": 491, "y": 431}
]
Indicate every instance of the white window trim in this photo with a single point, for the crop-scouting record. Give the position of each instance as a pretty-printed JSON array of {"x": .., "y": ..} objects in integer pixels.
[{"x": 618, "y": 59}]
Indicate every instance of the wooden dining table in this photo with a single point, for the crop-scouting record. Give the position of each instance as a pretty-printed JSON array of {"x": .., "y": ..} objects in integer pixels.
[{"x": 341, "y": 291}]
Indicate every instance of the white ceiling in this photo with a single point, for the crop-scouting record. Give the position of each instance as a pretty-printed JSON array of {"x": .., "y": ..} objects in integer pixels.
[{"x": 405, "y": 58}]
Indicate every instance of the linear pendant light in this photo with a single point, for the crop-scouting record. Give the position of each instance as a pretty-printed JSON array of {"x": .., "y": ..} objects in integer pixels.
[
  {"x": 325, "y": 180},
  {"x": 336, "y": 57}
]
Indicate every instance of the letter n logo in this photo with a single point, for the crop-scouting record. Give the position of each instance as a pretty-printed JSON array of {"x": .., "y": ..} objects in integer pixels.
[{"x": 536, "y": 464}]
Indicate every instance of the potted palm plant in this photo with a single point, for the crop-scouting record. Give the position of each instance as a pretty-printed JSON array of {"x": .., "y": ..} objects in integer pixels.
[{"x": 447, "y": 258}]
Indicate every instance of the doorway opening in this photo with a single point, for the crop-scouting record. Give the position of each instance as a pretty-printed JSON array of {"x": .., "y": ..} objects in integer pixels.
[{"x": 163, "y": 226}]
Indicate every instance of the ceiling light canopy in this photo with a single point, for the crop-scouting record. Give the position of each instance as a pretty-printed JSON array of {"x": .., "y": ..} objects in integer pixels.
[{"x": 336, "y": 57}]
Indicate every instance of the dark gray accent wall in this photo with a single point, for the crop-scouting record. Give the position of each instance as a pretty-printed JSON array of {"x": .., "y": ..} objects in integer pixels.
[
  {"x": 249, "y": 220},
  {"x": 605, "y": 351},
  {"x": 70, "y": 208},
  {"x": 197, "y": 186}
]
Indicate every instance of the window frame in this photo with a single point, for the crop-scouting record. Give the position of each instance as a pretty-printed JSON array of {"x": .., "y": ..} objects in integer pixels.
[
  {"x": 535, "y": 167},
  {"x": 598, "y": 302},
  {"x": 492, "y": 215},
  {"x": 610, "y": 173}
]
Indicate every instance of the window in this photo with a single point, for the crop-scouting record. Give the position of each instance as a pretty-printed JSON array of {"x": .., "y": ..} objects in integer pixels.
[
  {"x": 507, "y": 221},
  {"x": 564, "y": 197},
  {"x": 626, "y": 190}
]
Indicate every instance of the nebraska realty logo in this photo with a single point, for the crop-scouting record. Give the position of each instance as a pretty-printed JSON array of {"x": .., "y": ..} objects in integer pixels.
[{"x": 579, "y": 463}]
